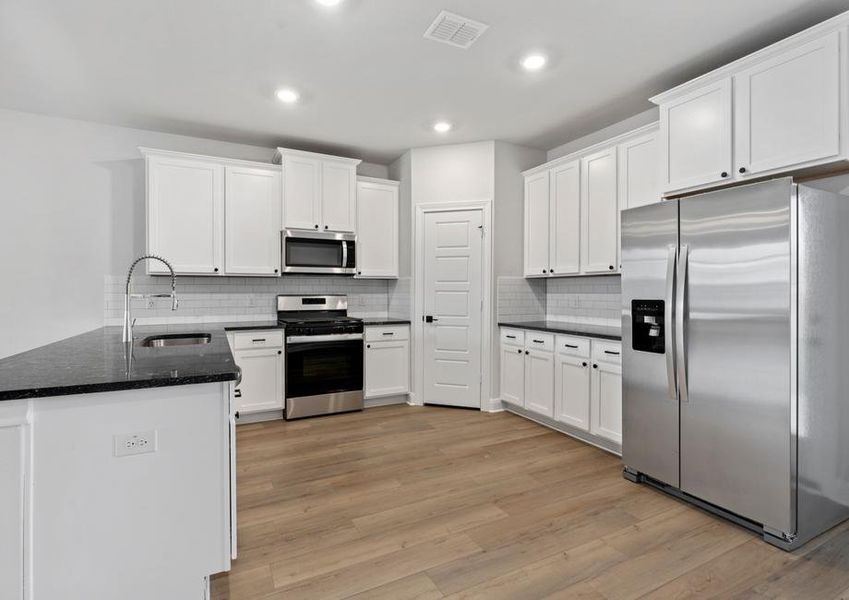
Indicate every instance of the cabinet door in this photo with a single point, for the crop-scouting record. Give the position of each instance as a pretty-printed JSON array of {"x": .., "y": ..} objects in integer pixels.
[
  {"x": 513, "y": 374},
  {"x": 251, "y": 217},
  {"x": 262, "y": 380},
  {"x": 599, "y": 212},
  {"x": 338, "y": 196},
  {"x": 565, "y": 221},
  {"x": 787, "y": 109},
  {"x": 606, "y": 401},
  {"x": 536, "y": 225},
  {"x": 185, "y": 214},
  {"x": 301, "y": 192},
  {"x": 387, "y": 369},
  {"x": 638, "y": 171},
  {"x": 12, "y": 517},
  {"x": 377, "y": 230},
  {"x": 539, "y": 382},
  {"x": 695, "y": 138},
  {"x": 572, "y": 391}
]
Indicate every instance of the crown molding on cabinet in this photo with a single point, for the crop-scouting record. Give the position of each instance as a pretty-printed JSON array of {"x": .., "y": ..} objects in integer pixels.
[
  {"x": 594, "y": 148},
  {"x": 235, "y": 162},
  {"x": 835, "y": 23},
  {"x": 278, "y": 156},
  {"x": 378, "y": 180}
]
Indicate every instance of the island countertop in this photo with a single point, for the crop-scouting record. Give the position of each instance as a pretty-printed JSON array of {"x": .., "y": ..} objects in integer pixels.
[{"x": 98, "y": 361}]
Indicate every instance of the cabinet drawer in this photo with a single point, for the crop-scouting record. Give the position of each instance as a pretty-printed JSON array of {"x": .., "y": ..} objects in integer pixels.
[
  {"x": 609, "y": 352},
  {"x": 574, "y": 346},
  {"x": 258, "y": 339},
  {"x": 387, "y": 333},
  {"x": 536, "y": 340},
  {"x": 513, "y": 337}
]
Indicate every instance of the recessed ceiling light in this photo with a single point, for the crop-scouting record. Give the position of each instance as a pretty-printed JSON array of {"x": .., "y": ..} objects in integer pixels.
[
  {"x": 287, "y": 96},
  {"x": 329, "y": 3},
  {"x": 534, "y": 62},
  {"x": 442, "y": 127}
]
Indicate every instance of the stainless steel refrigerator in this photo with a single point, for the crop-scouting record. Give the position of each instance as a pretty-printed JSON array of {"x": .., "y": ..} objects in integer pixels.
[{"x": 735, "y": 365}]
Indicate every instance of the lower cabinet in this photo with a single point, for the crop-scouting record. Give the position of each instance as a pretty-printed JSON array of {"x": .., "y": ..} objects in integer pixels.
[
  {"x": 260, "y": 356},
  {"x": 576, "y": 381},
  {"x": 386, "y": 361},
  {"x": 14, "y": 433}
]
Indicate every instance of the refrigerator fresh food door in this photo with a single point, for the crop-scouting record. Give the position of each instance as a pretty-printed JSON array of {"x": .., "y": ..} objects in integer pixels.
[
  {"x": 736, "y": 281},
  {"x": 649, "y": 394}
]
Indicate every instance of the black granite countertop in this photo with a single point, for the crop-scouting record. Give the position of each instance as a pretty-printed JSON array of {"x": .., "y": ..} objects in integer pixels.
[
  {"x": 97, "y": 361},
  {"x": 381, "y": 321},
  {"x": 593, "y": 331}
]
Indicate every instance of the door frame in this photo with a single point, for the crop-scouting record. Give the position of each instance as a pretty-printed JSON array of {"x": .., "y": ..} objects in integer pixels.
[{"x": 417, "y": 359}]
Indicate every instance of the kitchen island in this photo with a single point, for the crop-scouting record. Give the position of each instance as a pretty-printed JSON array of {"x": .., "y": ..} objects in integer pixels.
[{"x": 118, "y": 470}]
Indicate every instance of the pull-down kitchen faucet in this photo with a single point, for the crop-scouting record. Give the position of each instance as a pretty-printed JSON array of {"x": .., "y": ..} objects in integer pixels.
[{"x": 128, "y": 322}]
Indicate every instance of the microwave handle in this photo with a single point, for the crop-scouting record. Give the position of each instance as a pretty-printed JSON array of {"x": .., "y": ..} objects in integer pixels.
[{"x": 344, "y": 254}]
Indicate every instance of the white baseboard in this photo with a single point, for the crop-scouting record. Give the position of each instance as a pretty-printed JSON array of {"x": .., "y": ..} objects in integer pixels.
[
  {"x": 494, "y": 405},
  {"x": 412, "y": 401}
]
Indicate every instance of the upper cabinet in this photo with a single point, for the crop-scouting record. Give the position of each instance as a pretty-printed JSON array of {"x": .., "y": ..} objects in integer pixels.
[
  {"x": 252, "y": 217},
  {"x": 777, "y": 111},
  {"x": 185, "y": 213},
  {"x": 319, "y": 191},
  {"x": 212, "y": 216},
  {"x": 377, "y": 228},
  {"x": 572, "y": 204}
]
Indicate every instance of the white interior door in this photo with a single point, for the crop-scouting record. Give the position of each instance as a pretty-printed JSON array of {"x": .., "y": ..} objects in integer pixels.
[{"x": 452, "y": 288}]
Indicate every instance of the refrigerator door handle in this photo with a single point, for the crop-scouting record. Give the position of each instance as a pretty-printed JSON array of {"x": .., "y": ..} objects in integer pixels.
[
  {"x": 680, "y": 307},
  {"x": 669, "y": 340}
]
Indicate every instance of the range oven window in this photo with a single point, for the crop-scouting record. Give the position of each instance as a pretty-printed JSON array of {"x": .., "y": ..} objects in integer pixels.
[
  {"x": 310, "y": 252},
  {"x": 314, "y": 368}
]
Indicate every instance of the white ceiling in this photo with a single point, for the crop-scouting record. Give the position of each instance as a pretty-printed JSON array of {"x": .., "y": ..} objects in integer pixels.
[{"x": 371, "y": 85}]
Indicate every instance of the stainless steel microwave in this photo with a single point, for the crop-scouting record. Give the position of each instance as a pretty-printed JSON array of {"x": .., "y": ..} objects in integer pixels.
[{"x": 319, "y": 252}]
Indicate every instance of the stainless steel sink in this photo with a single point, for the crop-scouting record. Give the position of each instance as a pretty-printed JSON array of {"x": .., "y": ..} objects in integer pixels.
[{"x": 176, "y": 339}]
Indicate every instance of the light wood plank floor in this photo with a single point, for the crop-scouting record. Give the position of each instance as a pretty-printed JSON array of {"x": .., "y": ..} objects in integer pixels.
[{"x": 402, "y": 502}]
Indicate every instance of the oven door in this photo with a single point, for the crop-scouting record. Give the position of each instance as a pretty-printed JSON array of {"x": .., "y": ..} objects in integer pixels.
[
  {"x": 329, "y": 253},
  {"x": 323, "y": 367}
]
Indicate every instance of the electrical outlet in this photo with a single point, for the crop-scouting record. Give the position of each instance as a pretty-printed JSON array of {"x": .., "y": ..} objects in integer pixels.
[
  {"x": 151, "y": 303},
  {"x": 134, "y": 443}
]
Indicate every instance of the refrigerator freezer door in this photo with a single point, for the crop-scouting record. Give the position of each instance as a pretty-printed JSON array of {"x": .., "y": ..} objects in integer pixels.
[
  {"x": 649, "y": 397},
  {"x": 736, "y": 429}
]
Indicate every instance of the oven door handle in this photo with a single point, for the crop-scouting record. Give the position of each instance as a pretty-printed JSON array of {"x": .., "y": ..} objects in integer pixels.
[{"x": 332, "y": 337}]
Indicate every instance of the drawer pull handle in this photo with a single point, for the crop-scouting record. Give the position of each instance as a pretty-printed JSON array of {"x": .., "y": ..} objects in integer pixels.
[
  {"x": 258, "y": 340},
  {"x": 238, "y": 394},
  {"x": 611, "y": 352},
  {"x": 570, "y": 345},
  {"x": 511, "y": 337},
  {"x": 539, "y": 341},
  {"x": 388, "y": 333}
]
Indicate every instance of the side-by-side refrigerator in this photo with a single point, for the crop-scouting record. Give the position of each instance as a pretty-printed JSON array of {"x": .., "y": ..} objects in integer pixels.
[{"x": 735, "y": 326}]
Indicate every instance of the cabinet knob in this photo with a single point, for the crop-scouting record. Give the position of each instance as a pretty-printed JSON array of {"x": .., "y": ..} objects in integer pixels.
[
  {"x": 724, "y": 174},
  {"x": 237, "y": 414},
  {"x": 742, "y": 169},
  {"x": 359, "y": 272},
  {"x": 279, "y": 352},
  {"x": 216, "y": 269},
  {"x": 544, "y": 271},
  {"x": 276, "y": 270},
  {"x": 369, "y": 346},
  {"x": 520, "y": 351},
  {"x": 610, "y": 267},
  {"x": 584, "y": 364},
  {"x": 316, "y": 226},
  {"x": 325, "y": 226},
  {"x": 595, "y": 366},
  {"x": 526, "y": 352}
]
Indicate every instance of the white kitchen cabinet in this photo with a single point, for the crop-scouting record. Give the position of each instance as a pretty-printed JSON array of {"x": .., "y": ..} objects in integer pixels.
[
  {"x": 319, "y": 191},
  {"x": 386, "y": 361},
  {"x": 537, "y": 214},
  {"x": 787, "y": 108},
  {"x": 695, "y": 132},
  {"x": 638, "y": 171},
  {"x": 14, "y": 479},
  {"x": 513, "y": 374},
  {"x": 252, "y": 217},
  {"x": 185, "y": 213},
  {"x": 259, "y": 353},
  {"x": 606, "y": 392},
  {"x": 600, "y": 212},
  {"x": 572, "y": 391},
  {"x": 565, "y": 219},
  {"x": 539, "y": 381},
  {"x": 377, "y": 229}
]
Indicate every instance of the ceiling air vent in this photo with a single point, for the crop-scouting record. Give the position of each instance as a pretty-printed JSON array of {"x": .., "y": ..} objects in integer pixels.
[{"x": 458, "y": 31}]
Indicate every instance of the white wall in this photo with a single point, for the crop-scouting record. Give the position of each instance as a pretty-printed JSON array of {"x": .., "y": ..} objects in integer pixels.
[
  {"x": 644, "y": 118},
  {"x": 72, "y": 212},
  {"x": 454, "y": 173}
]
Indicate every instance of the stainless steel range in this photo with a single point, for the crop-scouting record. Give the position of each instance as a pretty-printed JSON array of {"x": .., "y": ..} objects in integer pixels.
[{"x": 324, "y": 355}]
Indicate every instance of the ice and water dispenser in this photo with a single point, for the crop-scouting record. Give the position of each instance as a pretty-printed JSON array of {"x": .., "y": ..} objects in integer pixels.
[{"x": 647, "y": 325}]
